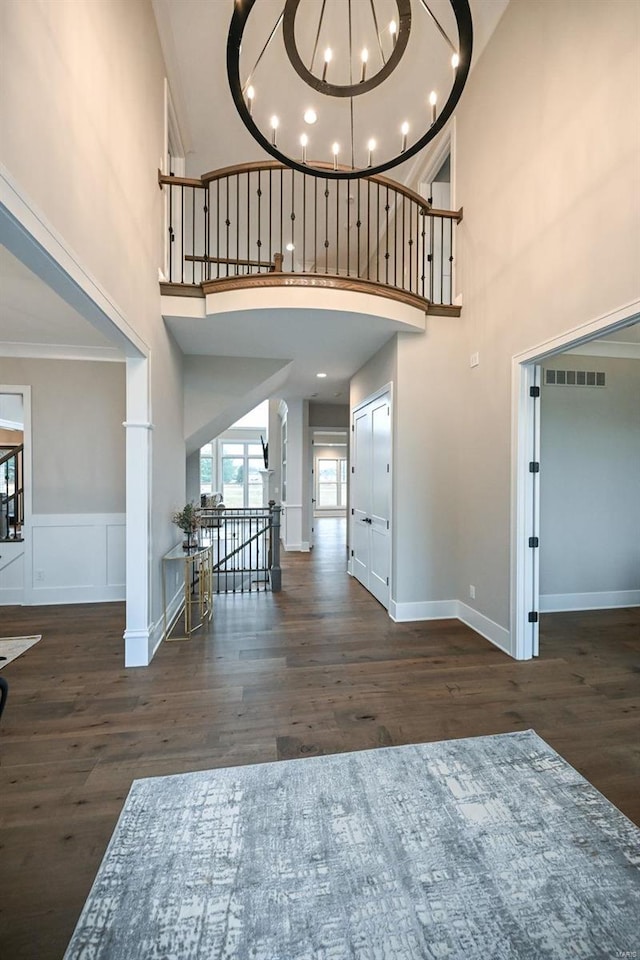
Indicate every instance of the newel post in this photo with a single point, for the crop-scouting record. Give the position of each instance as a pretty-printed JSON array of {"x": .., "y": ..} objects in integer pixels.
[{"x": 274, "y": 547}]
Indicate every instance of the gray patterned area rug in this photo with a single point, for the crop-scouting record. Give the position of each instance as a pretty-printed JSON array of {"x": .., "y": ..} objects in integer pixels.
[
  {"x": 487, "y": 848},
  {"x": 13, "y": 647}
]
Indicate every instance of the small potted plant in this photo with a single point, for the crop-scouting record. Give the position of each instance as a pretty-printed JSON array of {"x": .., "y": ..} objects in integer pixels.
[{"x": 188, "y": 521}]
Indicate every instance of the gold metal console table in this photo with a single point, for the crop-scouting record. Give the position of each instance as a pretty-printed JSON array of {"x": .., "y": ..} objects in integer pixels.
[{"x": 197, "y": 601}]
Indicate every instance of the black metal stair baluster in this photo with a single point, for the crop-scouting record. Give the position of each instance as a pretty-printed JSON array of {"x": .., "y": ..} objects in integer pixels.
[
  {"x": 304, "y": 223},
  {"x": 423, "y": 234},
  {"x": 368, "y": 229},
  {"x": 248, "y": 270},
  {"x": 218, "y": 218},
  {"x": 181, "y": 233},
  {"x": 358, "y": 226},
  {"x": 326, "y": 226},
  {"x": 270, "y": 216},
  {"x": 386, "y": 239},
  {"x": 431, "y": 252},
  {"x": 207, "y": 230},
  {"x": 193, "y": 234},
  {"x": 259, "y": 241},
  {"x": 227, "y": 224},
  {"x": 377, "y": 233},
  {"x": 315, "y": 224},
  {"x": 337, "y": 183},
  {"x": 237, "y": 223},
  {"x": 450, "y": 262},
  {"x": 293, "y": 217},
  {"x": 410, "y": 242},
  {"x": 281, "y": 211},
  {"x": 395, "y": 241},
  {"x": 402, "y": 281},
  {"x": 171, "y": 234},
  {"x": 348, "y": 226},
  {"x": 441, "y": 259}
]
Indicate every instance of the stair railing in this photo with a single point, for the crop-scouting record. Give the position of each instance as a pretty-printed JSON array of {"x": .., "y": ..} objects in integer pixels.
[
  {"x": 246, "y": 547},
  {"x": 260, "y": 218},
  {"x": 11, "y": 492}
]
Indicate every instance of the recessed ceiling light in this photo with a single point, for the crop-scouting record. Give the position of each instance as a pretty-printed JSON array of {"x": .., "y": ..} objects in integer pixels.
[
  {"x": 290, "y": 247},
  {"x": 321, "y": 375},
  {"x": 310, "y": 116}
]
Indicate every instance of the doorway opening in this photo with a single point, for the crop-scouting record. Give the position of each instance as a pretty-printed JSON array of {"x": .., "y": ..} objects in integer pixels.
[{"x": 577, "y": 477}]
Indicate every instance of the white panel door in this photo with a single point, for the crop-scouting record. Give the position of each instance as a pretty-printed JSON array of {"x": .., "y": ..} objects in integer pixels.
[
  {"x": 380, "y": 506},
  {"x": 361, "y": 494},
  {"x": 371, "y": 497}
]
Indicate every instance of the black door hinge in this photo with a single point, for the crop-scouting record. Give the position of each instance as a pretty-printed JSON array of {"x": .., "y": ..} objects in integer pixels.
[
  {"x": 352, "y": 511},
  {"x": 387, "y": 581},
  {"x": 534, "y": 391},
  {"x": 353, "y": 469},
  {"x": 534, "y": 466},
  {"x": 534, "y": 542},
  {"x": 533, "y": 616},
  {"x": 352, "y": 553}
]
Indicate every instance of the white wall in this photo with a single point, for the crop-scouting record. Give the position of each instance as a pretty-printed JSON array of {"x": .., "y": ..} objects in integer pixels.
[
  {"x": 78, "y": 442},
  {"x": 82, "y": 114},
  {"x": 590, "y": 487},
  {"x": 546, "y": 166}
]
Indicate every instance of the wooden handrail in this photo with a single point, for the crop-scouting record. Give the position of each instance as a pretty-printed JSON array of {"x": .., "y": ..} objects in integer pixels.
[
  {"x": 256, "y": 166},
  {"x": 13, "y": 452}
]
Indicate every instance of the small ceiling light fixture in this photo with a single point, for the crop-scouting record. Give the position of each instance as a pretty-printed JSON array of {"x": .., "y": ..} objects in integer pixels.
[
  {"x": 290, "y": 247},
  {"x": 350, "y": 76},
  {"x": 321, "y": 375}
]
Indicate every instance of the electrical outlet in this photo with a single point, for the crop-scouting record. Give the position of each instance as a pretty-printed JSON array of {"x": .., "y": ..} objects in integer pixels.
[
  {"x": 39, "y": 576},
  {"x": 472, "y": 591},
  {"x": 474, "y": 359}
]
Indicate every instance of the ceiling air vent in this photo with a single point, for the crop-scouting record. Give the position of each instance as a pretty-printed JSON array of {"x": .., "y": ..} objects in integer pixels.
[{"x": 574, "y": 378}]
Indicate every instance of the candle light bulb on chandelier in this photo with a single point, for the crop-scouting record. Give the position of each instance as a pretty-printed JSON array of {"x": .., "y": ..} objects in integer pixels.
[
  {"x": 455, "y": 61},
  {"x": 365, "y": 57},
  {"x": 304, "y": 140},
  {"x": 328, "y": 56},
  {"x": 275, "y": 123},
  {"x": 335, "y": 149},
  {"x": 393, "y": 30},
  {"x": 250, "y": 95},
  {"x": 371, "y": 145},
  {"x": 433, "y": 99},
  {"x": 404, "y": 130}
]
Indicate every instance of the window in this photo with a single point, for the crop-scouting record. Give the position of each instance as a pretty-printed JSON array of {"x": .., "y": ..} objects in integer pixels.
[
  {"x": 331, "y": 483},
  {"x": 206, "y": 469},
  {"x": 241, "y": 463}
]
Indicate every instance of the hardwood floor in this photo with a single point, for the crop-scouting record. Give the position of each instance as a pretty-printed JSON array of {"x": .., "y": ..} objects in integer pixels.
[{"x": 319, "y": 668}]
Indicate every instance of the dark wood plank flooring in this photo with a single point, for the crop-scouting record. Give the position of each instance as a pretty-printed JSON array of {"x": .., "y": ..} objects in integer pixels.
[{"x": 319, "y": 668}]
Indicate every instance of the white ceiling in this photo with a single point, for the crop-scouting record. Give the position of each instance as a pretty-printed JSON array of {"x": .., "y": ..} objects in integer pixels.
[
  {"x": 193, "y": 34},
  {"x": 334, "y": 342},
  {"x": 36, "y": 322}
]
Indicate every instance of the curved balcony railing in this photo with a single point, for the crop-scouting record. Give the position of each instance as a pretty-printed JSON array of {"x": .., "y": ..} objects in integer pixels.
[{"x": 263, "y": 223}]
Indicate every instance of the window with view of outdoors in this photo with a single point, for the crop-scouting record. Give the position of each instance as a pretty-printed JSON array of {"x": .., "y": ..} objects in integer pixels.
[
  {"x": 331, "y": 479},
  {"x": 241, "y": 463}
]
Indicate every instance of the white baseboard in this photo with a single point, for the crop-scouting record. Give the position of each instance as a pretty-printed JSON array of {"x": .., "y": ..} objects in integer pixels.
[
  {"x": 487, "y": 628},
  {"x": 423, "y": 610},
  {"x": 136, "y": 648},
  {"x": 452, "y": 610},
  {"x": 156, "y": 631},
  {"x": 603, "y": 600}
]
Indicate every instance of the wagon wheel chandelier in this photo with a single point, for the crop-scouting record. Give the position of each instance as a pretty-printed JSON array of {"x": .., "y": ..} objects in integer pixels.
[{"x": 321, "y": 78}]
